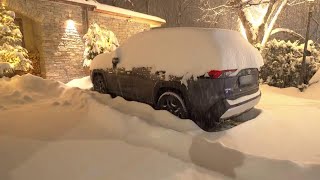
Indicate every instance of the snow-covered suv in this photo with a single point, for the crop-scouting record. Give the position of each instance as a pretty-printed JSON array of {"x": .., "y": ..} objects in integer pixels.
[{"x": 202, "y": 74}]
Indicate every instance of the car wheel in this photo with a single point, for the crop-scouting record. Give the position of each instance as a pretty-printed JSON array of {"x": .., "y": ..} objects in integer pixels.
[
  {"x": 173, "y": 103},
  {"x": 99, "y": 84}
]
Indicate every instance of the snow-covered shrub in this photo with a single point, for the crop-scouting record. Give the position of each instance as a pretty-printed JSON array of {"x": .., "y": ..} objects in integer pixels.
[
  {"x": 98, "y": 40},
  {"x": 283, "y": 63},
  {"x": 5, "y": 69},
  {"x": 10, "y": 39}
]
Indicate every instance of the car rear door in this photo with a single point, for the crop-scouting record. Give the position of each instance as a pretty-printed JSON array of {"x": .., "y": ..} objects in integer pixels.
[
  {"x": 143, "y": 84},
  {"x": 125, "y": 83},
  {"x": 112, "y": 81}
]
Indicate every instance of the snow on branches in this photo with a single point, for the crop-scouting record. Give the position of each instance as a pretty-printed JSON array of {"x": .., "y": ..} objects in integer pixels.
[
  {"x": 256, "y": 17},
  {"x": 10, "y": 39},
  {"x": 282, "y": 62},
  {"x": 98, "y": 40}
]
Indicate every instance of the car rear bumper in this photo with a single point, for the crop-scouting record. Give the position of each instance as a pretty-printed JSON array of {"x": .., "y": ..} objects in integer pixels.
[{"x": 240, "y": 105}]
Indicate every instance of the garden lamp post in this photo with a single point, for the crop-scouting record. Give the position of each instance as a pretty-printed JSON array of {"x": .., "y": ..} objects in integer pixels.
[{"x": 303, "y": 76}]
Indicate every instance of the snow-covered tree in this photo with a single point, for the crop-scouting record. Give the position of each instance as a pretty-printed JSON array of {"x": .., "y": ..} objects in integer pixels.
[
  {"x": 257, "y": 17},
  {"x": 11, "y": 50},
  {"x": 98, "y": 40}
]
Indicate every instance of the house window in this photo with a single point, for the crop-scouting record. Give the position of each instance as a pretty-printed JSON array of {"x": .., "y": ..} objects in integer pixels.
[{"x": 18, "y": 22}]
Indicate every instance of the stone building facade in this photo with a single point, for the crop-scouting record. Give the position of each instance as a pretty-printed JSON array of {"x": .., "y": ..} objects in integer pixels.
[{"x": 54, "y": 30}]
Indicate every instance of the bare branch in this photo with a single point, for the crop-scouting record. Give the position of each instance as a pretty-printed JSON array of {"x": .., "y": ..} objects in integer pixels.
[
  {"x": 296, "y": 2},
  {"x": 289, "y": 31}
]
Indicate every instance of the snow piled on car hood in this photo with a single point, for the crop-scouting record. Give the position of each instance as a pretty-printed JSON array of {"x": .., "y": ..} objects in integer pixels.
[
  {"x": 184, "y": 52},
  {"x": 86, "y": 135}
]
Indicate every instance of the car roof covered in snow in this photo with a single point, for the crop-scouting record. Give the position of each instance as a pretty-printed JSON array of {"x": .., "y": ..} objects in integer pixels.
[{"x": 184, "y": 51}]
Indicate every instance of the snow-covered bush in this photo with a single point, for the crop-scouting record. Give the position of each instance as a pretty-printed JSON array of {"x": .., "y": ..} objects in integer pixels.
[
  {"x": 283, "y": 63},
  {"x": 98, "y": 40},
  {"x": 5, "y": 69},
  {"x": 10, "y": 39}
]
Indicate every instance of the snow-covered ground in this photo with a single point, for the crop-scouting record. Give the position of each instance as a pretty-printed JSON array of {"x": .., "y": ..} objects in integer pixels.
[{"x": 49, "y": 130}]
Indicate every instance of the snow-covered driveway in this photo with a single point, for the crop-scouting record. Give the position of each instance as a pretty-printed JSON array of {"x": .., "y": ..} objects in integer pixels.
[{"x": 51, "y": 131}]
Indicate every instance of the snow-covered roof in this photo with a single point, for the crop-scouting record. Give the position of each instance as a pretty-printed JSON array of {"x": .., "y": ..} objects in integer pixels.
[{"x": 112, "y": 10}]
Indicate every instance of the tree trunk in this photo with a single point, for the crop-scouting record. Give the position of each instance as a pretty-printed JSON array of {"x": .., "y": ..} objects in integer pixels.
[
  {"x": 273, "y": 19},
  {"x": 264, "y": 25},
  {"x": 262, "y": 33},
  {"x": 247, "y": 26}
]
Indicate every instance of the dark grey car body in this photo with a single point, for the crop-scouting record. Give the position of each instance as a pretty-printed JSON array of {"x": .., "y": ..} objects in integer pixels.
[
  {"x": 215, "y": 72},
  {"x": 206, "y": 99}
]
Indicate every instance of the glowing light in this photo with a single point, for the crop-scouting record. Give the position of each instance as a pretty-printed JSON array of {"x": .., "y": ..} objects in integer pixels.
[
  {"x": 70, "y": 39},
  {"x": 71, "y": 25}
]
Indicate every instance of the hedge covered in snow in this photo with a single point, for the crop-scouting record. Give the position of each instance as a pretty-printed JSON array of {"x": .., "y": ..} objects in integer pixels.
[
  {"x": 283, "y": 61},
  {"x": 98, "y": 40}
]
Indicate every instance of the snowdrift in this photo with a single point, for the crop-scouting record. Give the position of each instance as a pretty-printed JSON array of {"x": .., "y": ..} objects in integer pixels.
[
  {"x": 82, "y": 83},
  {"x": 45, "y": 121},
  {"x": 315, "y": 78},
  {"x": 184, "y": 52}
]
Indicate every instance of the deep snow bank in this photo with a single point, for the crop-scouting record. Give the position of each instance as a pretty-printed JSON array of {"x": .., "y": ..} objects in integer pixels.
[
  {"x": 59, "y": 115},
  {"x": 82, "y": 83},
  {"x": 315, "y": 78}
]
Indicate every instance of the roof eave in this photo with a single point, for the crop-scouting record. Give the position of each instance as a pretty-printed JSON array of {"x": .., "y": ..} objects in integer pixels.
[
  {"x": 152, "y": 23},
  {"x": 75, "y": 3}
]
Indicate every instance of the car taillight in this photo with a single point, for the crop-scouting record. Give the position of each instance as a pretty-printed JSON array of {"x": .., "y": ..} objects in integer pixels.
[{"x": 214, "y": 74}]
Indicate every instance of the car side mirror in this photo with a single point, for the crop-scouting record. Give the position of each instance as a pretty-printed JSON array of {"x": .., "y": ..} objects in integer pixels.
[{"x": 115, "y": 61}]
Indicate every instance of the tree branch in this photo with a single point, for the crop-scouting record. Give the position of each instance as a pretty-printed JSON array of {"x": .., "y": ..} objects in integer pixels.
[
  {"x": 272, "y": 22},
  {"x": 289, "y": 31}
]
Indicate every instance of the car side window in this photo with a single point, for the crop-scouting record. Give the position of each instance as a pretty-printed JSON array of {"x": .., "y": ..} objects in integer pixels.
[{"x": 142, "y": 71}]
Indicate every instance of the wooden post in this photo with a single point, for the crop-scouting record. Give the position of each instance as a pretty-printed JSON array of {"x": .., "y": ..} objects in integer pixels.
[{"x": 303, "y": 76}]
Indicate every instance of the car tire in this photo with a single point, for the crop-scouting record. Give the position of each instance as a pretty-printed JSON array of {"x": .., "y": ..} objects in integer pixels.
[
  {"x": 99, "y": 84},
  {"x": 173, "y": 103}
]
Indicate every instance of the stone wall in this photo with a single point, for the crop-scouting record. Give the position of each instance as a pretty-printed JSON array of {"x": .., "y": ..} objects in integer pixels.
[
  {"x": 58, "y": 30},
  {"x": 122, "y": 28}
]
